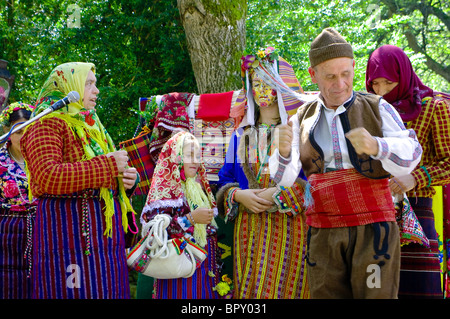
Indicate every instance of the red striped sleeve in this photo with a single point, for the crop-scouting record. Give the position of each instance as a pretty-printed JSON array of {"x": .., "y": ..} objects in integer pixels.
[
  {"x": 54, "y": 160},
  {"x": 433, "y": 132}
]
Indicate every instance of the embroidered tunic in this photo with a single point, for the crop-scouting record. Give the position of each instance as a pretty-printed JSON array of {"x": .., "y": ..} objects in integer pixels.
[
  {"x": 420, "y": 268},
  {"x": 269, "y": 247},
  {"x": 66, "y": 186},
  {"x": 16, "y": 219},
  {"x": 173, "y": 194}
]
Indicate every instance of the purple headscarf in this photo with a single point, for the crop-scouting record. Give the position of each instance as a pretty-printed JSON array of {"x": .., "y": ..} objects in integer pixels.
[{"x": 390, "y": 62}]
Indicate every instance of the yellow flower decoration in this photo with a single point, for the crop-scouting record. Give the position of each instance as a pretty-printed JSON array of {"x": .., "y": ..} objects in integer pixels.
[
  {"x": 222, "y": 288},
  {"x": 226, "y": 279},
  {"x": 6, "y": 113}
]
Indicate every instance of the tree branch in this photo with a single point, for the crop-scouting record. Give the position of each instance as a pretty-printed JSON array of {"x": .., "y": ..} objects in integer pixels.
[
  {"x": 436, "y": 67},
  {"x": 441, "y": 15},
  {"x": 426, "y": 8}
]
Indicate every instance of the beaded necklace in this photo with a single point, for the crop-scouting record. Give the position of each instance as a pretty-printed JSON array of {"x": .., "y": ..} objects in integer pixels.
[{"x": 263, "y": 132}]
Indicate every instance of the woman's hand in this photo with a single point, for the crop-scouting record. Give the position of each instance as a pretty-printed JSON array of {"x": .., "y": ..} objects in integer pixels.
[
  {"x": 268, "y": 193},
  {"x": 121, "y": 158},
  {"x": 402, "y": 184},
  {"x": 129, "y": 177},
  {"x": 251, "y": 199},
  {"x": 202, "y": 215}
]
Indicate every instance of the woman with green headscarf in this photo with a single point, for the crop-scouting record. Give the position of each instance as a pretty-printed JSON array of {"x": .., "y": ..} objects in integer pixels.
[{"x": 79, "y": 180}]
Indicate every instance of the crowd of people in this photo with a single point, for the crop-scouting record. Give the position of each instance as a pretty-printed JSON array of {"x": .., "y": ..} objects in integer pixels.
[{"x": 313, "y": 196}]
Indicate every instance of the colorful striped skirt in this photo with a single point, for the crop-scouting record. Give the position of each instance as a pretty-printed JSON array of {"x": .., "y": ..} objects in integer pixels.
[
  {"x": 15, "y": 239},
  {"x": 199, "y": 286},
  {"x": 62, "y": 269},
  {"x": 269, "y": 256},
  {"x": 420, "y": 272}
]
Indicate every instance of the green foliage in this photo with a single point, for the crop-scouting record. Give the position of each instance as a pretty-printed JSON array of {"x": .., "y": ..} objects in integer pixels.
[
  {"x": 138, "y": 48},
  {"x": 291, "y": 25}
]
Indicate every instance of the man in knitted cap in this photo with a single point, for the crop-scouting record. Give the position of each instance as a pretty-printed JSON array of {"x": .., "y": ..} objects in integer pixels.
[{"x": 348, "y": 144}]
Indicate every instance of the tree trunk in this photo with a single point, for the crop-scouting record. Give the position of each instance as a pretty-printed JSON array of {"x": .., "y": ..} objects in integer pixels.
[{"x": 215, "y": 34}]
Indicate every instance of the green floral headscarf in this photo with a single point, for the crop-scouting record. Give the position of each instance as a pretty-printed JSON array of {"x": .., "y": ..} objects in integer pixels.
[{"x": 85, "y": 125}]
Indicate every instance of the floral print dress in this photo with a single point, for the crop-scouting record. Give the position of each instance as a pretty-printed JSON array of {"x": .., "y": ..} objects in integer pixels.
[
  {"x": 13, "y": 184},
  {"x": 16, "y": 218}
]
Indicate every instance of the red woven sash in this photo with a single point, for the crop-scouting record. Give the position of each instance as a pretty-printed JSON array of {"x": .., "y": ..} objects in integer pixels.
[{"x": 346, "y": 198}]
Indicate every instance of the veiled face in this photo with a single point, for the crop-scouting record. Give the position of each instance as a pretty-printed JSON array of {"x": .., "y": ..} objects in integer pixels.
[
  {"x": 383, "y": 86},
  {"x": 263, "y": 94}
]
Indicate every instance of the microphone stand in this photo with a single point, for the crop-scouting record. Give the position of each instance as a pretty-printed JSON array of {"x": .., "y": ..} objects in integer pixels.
[
  {"x": 70, "y": 98},
  {"x": 15, "y": 129}
]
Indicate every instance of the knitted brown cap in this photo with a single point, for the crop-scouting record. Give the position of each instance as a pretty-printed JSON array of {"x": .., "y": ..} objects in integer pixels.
[{"x": 329, "y": 44}]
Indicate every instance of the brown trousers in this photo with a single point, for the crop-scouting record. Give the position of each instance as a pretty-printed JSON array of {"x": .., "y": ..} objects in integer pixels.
[{"x": 354, "y": 262}]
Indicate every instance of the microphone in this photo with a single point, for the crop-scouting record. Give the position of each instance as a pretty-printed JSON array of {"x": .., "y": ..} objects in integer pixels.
[{"x": 72, "y": 97}]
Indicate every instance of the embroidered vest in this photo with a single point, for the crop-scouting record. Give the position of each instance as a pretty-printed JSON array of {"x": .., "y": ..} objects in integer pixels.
[{"x": 361, "y": 111}]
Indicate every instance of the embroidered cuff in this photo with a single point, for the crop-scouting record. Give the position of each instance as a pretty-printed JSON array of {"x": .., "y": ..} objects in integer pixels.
[
  {"x": 231, "y": 207},
  {"x": 422, "y": 177},
  {"x": 281, "y": 168},
  {"x": 221, "y": 197},
  {"x": 383, "y": 149},
  {"x": 278, "y": 198},
  {"x": 289, "y": 199},
  {"x": 428, "y": 175},
  {"x": 284, "y": 160}
]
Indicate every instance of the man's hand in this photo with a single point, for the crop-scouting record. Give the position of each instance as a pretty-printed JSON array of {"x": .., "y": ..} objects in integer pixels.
[
  {"x": 362, "y": 141},
  {"x": 402, "y": 184},
  {"x": 283, "y": 139}
]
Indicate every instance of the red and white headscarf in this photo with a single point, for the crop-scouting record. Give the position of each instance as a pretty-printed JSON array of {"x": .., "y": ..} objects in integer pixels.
[{"x": 170, "y": 187}]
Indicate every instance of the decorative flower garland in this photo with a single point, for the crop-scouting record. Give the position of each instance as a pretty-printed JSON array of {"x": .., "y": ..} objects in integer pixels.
[
  {"x": 252, "y": 61},
  {"x": 6, "y": 113}
]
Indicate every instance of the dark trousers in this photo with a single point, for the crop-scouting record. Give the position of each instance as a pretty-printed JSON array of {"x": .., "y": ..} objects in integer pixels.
[{"x": 354, "y": 262}]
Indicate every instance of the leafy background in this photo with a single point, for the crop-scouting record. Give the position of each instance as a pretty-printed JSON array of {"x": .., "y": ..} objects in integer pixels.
[
  {"x": 139, "y": 47},
  {"x": 291, "y": 25}
]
